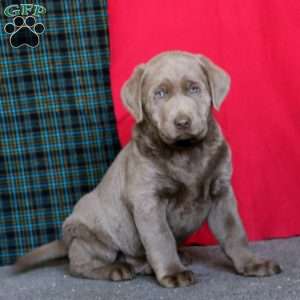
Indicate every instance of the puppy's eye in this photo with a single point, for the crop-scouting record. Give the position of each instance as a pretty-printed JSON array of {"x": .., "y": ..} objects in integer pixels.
[
  {"x": 194, "y": 89},
  {"x": 160, "y": 94}
]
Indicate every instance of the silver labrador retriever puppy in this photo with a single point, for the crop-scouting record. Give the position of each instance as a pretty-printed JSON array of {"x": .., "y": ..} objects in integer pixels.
[{"x": 173, "y": 175}]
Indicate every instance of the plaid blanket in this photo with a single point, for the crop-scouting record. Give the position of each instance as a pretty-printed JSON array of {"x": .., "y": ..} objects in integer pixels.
[{"x": 57, "y": 128}]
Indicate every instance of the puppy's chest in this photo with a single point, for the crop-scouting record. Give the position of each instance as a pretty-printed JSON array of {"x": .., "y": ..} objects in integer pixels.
[
  {"x": 186, "y": 180},
  {"x": 186, "y": 188},
  {"x": 188, "y": 203}
]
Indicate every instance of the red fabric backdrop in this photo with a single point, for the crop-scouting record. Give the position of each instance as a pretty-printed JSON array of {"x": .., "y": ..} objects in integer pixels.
[{"x": 258, "y": 43}]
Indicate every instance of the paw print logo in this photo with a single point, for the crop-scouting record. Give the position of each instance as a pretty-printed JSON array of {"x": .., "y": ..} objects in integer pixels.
[{"x": 24, "y": 32}]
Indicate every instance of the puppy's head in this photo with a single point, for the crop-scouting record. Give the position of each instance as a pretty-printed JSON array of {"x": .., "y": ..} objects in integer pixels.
[{"x": 175, "y": 91}]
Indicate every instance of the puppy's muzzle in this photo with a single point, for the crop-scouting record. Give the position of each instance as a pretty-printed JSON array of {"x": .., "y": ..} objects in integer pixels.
[
  {"x": 182, "y": 123},
  {"x": 186, "y": 129}
]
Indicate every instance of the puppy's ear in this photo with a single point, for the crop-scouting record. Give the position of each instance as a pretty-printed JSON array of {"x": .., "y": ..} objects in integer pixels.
[
  {"x": 218, "y": 79},
  {"x": 131, "y": 93}
]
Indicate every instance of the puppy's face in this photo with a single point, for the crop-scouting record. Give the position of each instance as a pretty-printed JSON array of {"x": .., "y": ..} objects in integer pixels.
[
  {"x": 176, "y": 98},
  {"x": 175, "y": 91}
]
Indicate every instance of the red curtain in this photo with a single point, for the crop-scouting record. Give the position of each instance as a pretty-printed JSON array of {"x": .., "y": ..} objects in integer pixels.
[{"x": 258, "y": 43}]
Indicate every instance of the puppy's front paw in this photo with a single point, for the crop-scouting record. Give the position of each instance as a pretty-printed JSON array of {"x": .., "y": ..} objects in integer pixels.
[
  {"x": 180, "y": 279},
  {"x": 261, "y": 268}
]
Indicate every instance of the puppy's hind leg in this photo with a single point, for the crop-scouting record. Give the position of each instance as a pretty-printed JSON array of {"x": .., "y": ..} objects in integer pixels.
[
  {"x": 86, "y": 262},
  {"x": 139, "y": 264},
  {"x": 91, "y": 257}
]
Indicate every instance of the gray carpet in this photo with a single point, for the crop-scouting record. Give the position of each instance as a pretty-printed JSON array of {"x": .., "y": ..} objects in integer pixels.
[{"x": 216, "y": 280}]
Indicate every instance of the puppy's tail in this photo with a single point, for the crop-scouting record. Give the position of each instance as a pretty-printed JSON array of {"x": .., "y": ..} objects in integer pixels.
[{"x": 53, "y": 250}]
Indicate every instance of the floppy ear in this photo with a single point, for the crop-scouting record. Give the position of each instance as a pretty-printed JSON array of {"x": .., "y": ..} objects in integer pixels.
[
  {"x": 131, "y": 93},
  {"x": 218, "y": 79}
]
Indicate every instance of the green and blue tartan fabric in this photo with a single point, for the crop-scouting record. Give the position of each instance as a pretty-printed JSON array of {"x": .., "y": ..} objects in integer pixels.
[{"x": 57, "y": 127}]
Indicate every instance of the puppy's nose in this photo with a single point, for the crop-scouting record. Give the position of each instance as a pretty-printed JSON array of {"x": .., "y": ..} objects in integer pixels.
[{"x": 182, "y": 122}]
